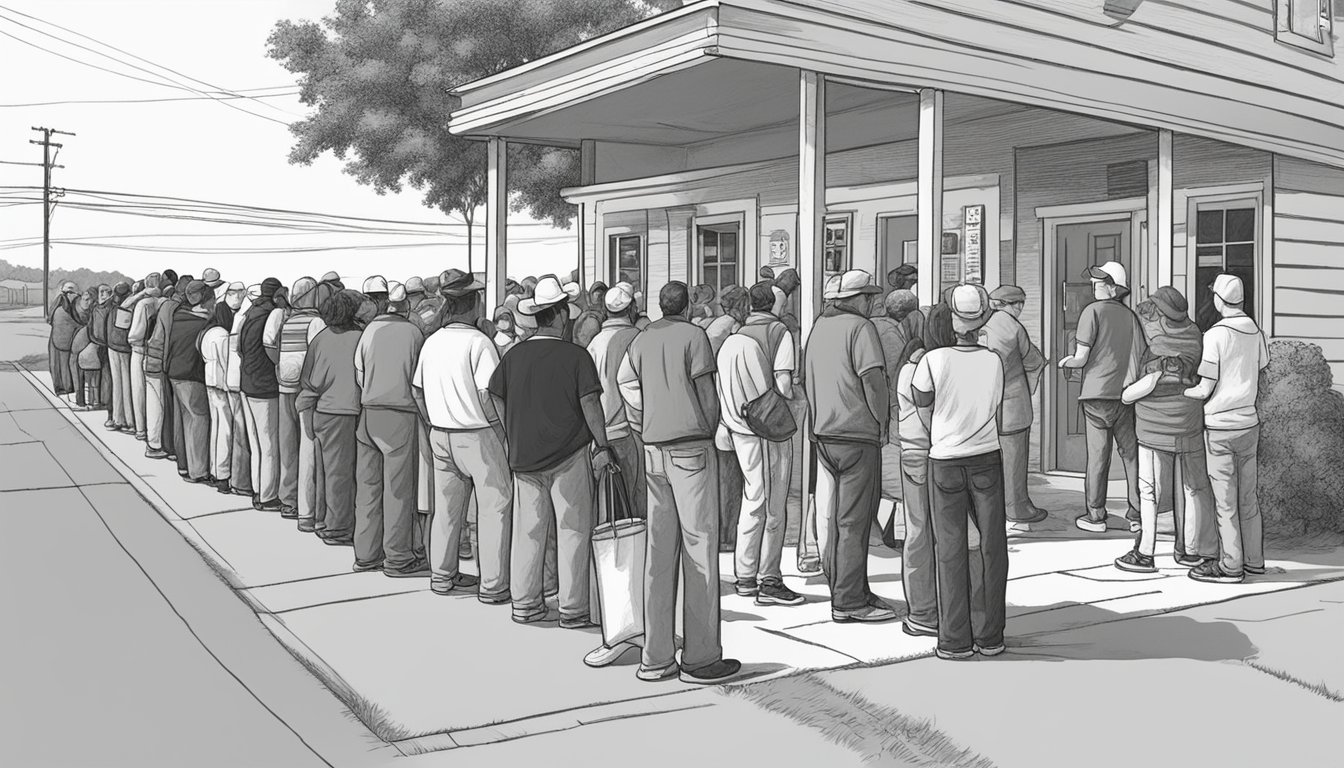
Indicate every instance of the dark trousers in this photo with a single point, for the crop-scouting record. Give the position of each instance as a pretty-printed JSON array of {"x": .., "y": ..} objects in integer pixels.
[
  {"x": 335, "y": 438},
  {"x": 171, "y": 434},
  {"x": 854, "y": 482},
  {"x": 193, "y": 421},
  {"x": 629, "y": 451},
  {"x": 105, "y": 381},
  {"x": 1110, "y": 421},
  {"x": 387, "y": 459},
  {"x": 972, "y": 585},
  {"x": 730, "y": 497}
]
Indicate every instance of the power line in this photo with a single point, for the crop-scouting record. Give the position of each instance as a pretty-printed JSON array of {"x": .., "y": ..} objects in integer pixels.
[
  {"x": 147, "y": 101},
  {"x": 46, "y": 143}
]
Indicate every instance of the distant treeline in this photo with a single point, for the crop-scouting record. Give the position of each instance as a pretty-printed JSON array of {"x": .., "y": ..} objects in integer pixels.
[{"x": 82, "y": 277}]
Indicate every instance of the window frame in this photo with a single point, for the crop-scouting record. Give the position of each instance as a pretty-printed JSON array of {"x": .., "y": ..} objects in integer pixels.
[
  {"x": 1250, "y": 202},
  {"x": 719, "y": 229},
  {"x": 614, "y": 237},
  {"x": 1284, "y": 32}
]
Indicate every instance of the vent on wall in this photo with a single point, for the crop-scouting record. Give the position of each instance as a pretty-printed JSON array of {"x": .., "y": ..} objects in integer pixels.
[{"x": 1126, "y": 180}]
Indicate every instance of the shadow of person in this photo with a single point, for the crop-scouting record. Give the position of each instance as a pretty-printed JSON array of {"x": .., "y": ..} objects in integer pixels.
[{"x": 1103, "y": 637}]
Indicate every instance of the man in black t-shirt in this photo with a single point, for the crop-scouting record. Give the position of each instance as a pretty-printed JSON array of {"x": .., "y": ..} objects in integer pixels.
[
  {"x": 549, "y": 394},
  {"x": 261, "y": 392}
]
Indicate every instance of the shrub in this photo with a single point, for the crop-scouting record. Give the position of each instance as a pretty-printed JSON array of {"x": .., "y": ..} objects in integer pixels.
[{"x": 1301, "y": 464}]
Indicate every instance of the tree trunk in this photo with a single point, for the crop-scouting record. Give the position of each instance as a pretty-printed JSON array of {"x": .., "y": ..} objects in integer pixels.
[{"x": 468, "y": 216}]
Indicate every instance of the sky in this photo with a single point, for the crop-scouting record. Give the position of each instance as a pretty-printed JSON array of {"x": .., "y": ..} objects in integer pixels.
[{"x": 201, "y": 149}]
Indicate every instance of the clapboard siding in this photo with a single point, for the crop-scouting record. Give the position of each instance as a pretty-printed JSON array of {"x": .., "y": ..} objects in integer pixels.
[
  {"x": 1312, "y": 329},
  {"x": 1306, "y": 204},
  {"x": 1289, "y": 253},
  {"x": 1309, "y": 256},
  {"x": 1290, "y": 229},
  {"x": 1310, "y": 280}
]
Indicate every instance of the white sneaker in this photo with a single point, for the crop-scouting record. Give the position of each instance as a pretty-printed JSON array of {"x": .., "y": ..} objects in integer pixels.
[
  {"x": 606, "y": 655},
  {"x": 1086, "y": 523}
]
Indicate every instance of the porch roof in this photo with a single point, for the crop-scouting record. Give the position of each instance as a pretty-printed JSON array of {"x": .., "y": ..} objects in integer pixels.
[{"x": 720, "y": 66}]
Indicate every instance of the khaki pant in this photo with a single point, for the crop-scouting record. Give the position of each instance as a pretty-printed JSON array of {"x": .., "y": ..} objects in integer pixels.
[
  {"x": 1182, "y": 478},
  {"x": 123, "y": 407},
  {"x": 138, "y": 394},
  {"x": 562, "y": 501},
  {"x": 312, "y": 491},
  {"x": 262, "y": 436},
  {"x": 240, "y": 456},
  {"x": 1232, "y": 474},
  {"x": 471, "y": 464},
  {"x": 683, "y": 539},
  {"x": 289, "y": 433},
  {"x": 765, "y": 469},
  {"x": 154, "y": 405},
  {"x": 221, "y": 434},
  {"x": 1016, "y": 448}
]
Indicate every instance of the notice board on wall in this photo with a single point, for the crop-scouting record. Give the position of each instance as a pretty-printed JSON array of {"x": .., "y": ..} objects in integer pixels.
[{"x": 973, "y": 239}]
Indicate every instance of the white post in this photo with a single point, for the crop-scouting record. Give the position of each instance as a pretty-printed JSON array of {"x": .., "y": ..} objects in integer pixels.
[
  {"x": 1165, "y": 266},
  {"x": 930, "y": 199},
  {"x": 811, "y": 195},
  {"x": 588, "y": 272},
  {"x": 496, "y": 223}
]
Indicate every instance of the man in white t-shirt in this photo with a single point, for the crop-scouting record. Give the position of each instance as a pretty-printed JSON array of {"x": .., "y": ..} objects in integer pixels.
[
  {"x": 959, "y": 391},
  {"x": 1234, "y": 355},
  {"x": 214, "y": 348},
  {"x": 451, "y": 385}
]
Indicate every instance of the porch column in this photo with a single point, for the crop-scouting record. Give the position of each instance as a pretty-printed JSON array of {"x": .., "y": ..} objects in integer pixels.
[
  {"x": 930, "y": 196},
  {"x": 1164, "y": 215},
  {"x": 496, "y": 222},
  {"x": 811, "y": 195},
  {"x": 588, "y": 271}
]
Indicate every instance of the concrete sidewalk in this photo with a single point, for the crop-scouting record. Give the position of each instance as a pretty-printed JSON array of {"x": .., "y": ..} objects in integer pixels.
[{"x": 430, "y": 673}]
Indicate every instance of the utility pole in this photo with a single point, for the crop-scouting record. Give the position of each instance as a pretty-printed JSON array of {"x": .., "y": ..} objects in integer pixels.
[{"x": 46, "y": 143}]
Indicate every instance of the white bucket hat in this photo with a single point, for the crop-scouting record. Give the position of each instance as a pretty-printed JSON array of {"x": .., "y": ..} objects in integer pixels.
[{"x": 549, "y": 293}]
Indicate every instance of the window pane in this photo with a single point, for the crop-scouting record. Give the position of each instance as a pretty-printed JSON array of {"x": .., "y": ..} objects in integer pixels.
[
  {"x": 1205, "y": 313},
  {"x": 1241, "y": 256},
  {"x": 1209, "y": 227},
  {"x": 1241, "y": 225},
  {"x": 710, "y": 275},
  {"x": 1209, "y": 256},
  {"x": 1305, "y": 18},
  {"x": 727, "y": 247}
]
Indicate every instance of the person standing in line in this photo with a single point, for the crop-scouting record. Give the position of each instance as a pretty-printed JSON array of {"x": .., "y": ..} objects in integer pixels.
[
  {"x": 753, "y": 360},
  {"x": 171, "y": 431},
  {"x": 736, "y": 307},
  {"x": 847, "y": 400},
  {"x": 608, "y": 350},
  {"x": 388, "y": 443},
  {"x": 327, "y": 391},
  {"x": 892, "y": 332},
  {"x": 64, "y": 322},
  {"x": 734, "y": 302},
  {"x": 1110, "y": 346},
  {"x": 452, "y": 391},
  {"x": 919, "y": 573},
  {"x": 1234, "y": 355},
  {"x": 241, "y": 467},
  {"x": 261, "y": 391},
  {"x": 959, "y": 391},
  {"x": 415, "y": 296},
  {"x": 667, "y": 382},
  {"x": 84, "y": 364},
  {"x": 185, "y": 368},
  {"x": 594, "y": 314},
  {"x": 549, "y": 395},
  {"x": 1023, "y": 363},
  {"x": 214, "y": 349},
  {"x": 143, "y": 306},
  {"x": 119, "y": 359},
  {"x": 1170, "y": 430},
  {"x": 298, "y": 484},
  {"x": 506, "y": 331},
  {"x": 98, "y": 317}
]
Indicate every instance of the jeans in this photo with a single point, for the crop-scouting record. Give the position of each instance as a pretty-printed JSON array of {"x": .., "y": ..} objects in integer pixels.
[
  {"x": 683, "y": 539},
  {"x": 241, "y": 475},
  {"x": 262, "y": 427},
  {"x": 561, "y": 500},
  {"x": 289, "y": 435},
  {"x": 849, "y": 487},
  {"x": 972, "y": 584},
  {"x": 1183, "y": 476},
  {"x": 471, "y": 464},
  {"x": 919, "y": 571},
  {"x": 170, "y": 431},
  {"x": 1110, "y": 421},
  {"x": 387, "y": 456},
  {"x": 312, "y": 491},
  {"x": 221, "y": 434},
  {"x": 193, "y": 420},
  {"x": 1232, "y": 475},
  {"x": 138, "y": 394},
  {"x": 123, "y": 407},
  {"x": 1016, "y": 449},
  {"x": 334, "y": 435},
  {"x": 154, "y": 412},
  {"x": 765, "y": 467},
  {"x": 629, "y": 452}
]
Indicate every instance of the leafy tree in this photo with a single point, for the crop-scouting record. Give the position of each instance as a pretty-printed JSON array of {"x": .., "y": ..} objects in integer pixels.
[{"x": 377, "y": 74}]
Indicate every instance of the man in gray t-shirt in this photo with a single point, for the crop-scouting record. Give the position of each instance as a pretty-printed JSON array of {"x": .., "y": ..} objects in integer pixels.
[{"x": 1110, "y": 346}]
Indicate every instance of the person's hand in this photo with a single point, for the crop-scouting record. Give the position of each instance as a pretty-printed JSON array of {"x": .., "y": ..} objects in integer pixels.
[
  {"x": 1064, "y": 361},
  {"x": 602, "y": 461}
]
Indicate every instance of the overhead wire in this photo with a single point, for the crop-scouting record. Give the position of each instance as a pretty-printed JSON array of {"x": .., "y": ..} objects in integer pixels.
[{"x": 145, "y": 101}]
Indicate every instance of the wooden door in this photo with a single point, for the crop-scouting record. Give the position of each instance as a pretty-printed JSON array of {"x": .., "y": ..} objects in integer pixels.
[{"x": 1077, "y": 247}]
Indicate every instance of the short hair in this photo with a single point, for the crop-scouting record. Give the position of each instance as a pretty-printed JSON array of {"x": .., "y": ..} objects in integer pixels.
[
  {"x": 762, "y": 296},
  {"x": 547, "y": 316},
  {"x": 340, "y": 310},
  {"x": 734, "y": 297},
  {"x": 457, "y": 305},
  {"x": 674, "y": 298},
  {"x": 900, "y": 301}
]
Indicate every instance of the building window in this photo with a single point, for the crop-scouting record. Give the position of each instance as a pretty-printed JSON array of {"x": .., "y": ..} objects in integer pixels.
[
  {"x": 1225, "y": 241},
  {"x": 719, "y": 255},
  {"x": 627, "y": 264},
  {"x": 836, "y": 256},
  {"x": 1306, "y": 24}
]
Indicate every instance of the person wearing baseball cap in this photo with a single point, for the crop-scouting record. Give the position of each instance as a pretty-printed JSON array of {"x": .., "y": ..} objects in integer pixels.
[
  {"x": 171, "y": 436},
  {"x": 334, "y": 280},
  {"x": 1110, "y": 347},
  {"x": 959, "y": 391},
  {"x": 847, "y": 398},
  {"x": 608, "y": 349},
  {"x": 184, "y": 366},
  {"x": 1229, "y": 371},
  {"x": 211, "y": 278},
  {"x": 261, "y": 394},
  {"x": 1023, "y": 364}
]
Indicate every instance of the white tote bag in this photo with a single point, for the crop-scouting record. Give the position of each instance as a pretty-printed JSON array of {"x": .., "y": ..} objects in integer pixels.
[{"x": 618, "y": 558}]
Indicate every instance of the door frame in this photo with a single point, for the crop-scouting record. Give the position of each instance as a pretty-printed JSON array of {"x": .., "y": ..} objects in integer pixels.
[{"x": 1132, "y": 209}]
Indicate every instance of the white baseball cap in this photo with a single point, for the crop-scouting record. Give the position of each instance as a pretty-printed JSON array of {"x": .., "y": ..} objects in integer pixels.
[
  {"x": 1229, "y": 288},
  {"x": 375, "y": 284},
  {"x": 851, "y": 283},
  {"x": 1110, "y": 272},
  {"x": 619, "y": 297}
]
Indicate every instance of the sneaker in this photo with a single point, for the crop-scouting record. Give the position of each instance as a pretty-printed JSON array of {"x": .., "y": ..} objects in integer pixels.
[
  {"x": 530, "y": 618},
  {"x": 307, "y": 525},
  {"x": 464, "y": 549},
  {"x": 747, "y": 588},
  {"x": 915, "y": 629},
  {"x": 171, "y": 457},
  {"x": 1254, "y": 570},
  {"x": 414, "y": 570},
  {"x": 606, "y": 655},
  {"x": 155, "y": 453},
  {"x": 719, "y": 671},
  {"x": 224, "y": 488},
  {"x": 456, "y": 584},
  {"x": 1190, "y": 561},
  {"x": 954, "y": 655},
  {"x": 989, "y": 650},
  {"x": 239, "y": 491},
  {"x": 359, "y": 567},
  {"x": 576, "y": 622},
  {"x": 867, "y": 614},
  {"x": 1135, "y": 562},
  {"x": 288, "y": 512},
  {"x": 109, "y": 424},
  {"x": 775, "y": 593},
  {"x": 810, "y": 566},
  {"x": 1135, "y": 526},
  {"x": 500, "y": 599},
  {"x": 273, "y": 505},
  {"x": 197, "y": 480},
  {"x": 1037, "y": 515},
  {"x": 1087, "y": 523},
  {"x": 656, "y": 674},
  {"x": 337, "y": 541},
  {"x": 1213, "y": 573}
]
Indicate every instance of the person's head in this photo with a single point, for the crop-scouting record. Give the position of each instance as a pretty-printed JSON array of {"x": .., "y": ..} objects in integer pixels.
[
  {"x": 281, "y": 297},
  {"x": 597, "y": 295},
  {"x": 904, "y": 277},
  {"x": 462, "y": 297},
  {"x": 761, "y": 296},
  {"x": 1109, "y": 281},
  {"x": 211, "y": 278},
  {"x": 767, "y": 272},
  {"x": 368, "y": 310},
  {"x": 788, "y": 281},
  {"x": 415, "y": 287},
  {"x": 551, "y": 304},
  {"x": 529, "y": 286},
  {"x": 268, "y": 289},
  {"x": 88, "y": 298},
  {"x": 69, "y": 290},
  {"x": 620, "y": 302},
  {"x": 736, "y": 302},
  {"x": 121, "y": 290},
  {"x": 334, "y": 280},
  {"x": 198, "y": 296},
  {"x": 152, "y": 280},
  {"x": 170, "y": 276},
  {"x": 304, "y": 293},
  {"x": 340, "y": 311},
  {"x": 674, "y": 299},
  {"x": 1229, "y": 295},
  {"x": 376, "y": 289},
  {"x": 503, "y": 320},
  {"x": 911, "y": 352},
  {"x": 182, "y": 283},
  {"x": 1008, "y": 298},
  {"x": 852, "y": 290},
  {"x": 701, "y": 296},
  {"x": 899, "y": 304},
  {"x": 104, "y": 293},
  {"x": 137, "y": 286},
  {"x": 234, "y": 295},
  {"x": 970, "y": 311},
  {"x": 398, "y": 303}
]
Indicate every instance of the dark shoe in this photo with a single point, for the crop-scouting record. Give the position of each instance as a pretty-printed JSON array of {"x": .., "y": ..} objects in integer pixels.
[
  {"x": 1090, "y": 524},
  {"x": 1254, "y": 570},
  {"x": 459, "y": 582},
  {"x": 954, "y": 655},
  {"x": 337, "y": 541},
  {"x": 989, "y": 650},
  {"x": 809, "y": 567},
  {"x": 773, "y": 592},
  {"x": 273, "y": 505},
  {"x": 747, "y": 588},
  {"x": 412, "y": 571},
  {"x": 362, "y": 568},
  {"x": 867, "y": 614},
  {"x": 289, "y": 513},
  {"x": 1191, "y": 561},
  {"x": 1213, "y": 573},
  {"x": 155, "y": 454},
  {"x": 915, "y": 629},
  {"x": 109, "y": 424},
  {"x": 307, "y": 526},
  {"x": 657, "y": 674},
  {"x": 499, "y": 599},
  {"x": 530, "y": 618},
  {"x": 1037, "y": 515},
  {"x": 1135, "y": 562},
  {"x": 239, "y": 491},
  {"x": 577, "y": 622},
  {"x": 719, "y": 671}
]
